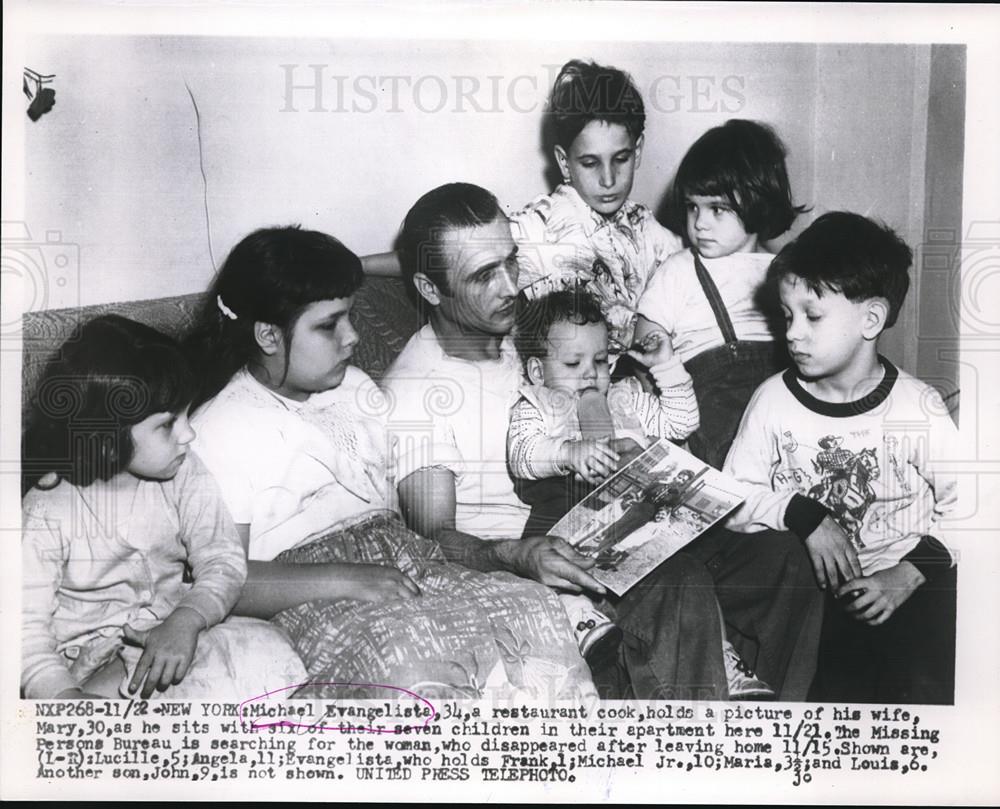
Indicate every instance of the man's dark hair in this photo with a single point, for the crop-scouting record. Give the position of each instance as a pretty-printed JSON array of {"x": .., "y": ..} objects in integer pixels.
[{"x": 432, "y": 217}]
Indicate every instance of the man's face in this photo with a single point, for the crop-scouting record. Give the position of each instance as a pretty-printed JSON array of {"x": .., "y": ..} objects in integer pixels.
[{"x": 482, "y": 278}]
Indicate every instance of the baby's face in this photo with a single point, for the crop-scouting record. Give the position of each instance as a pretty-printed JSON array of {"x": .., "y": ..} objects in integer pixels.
[{"x": 577, "y": 359}]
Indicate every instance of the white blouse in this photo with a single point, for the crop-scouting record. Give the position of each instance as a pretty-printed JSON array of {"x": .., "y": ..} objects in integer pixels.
[{"x": 295, "y": 470}]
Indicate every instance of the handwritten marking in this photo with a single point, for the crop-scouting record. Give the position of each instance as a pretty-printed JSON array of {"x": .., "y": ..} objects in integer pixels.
[{"x": 284, "y": 723}]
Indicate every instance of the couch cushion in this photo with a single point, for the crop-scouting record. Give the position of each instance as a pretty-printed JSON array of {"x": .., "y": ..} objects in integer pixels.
[{"x": 382, "y": 314}]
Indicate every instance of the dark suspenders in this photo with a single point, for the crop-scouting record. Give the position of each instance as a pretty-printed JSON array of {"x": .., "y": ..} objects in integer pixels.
[{"x": 715, "y": 301}]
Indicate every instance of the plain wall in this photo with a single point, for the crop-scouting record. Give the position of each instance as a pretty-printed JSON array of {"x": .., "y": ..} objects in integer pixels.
[{"x": 115, "y": 167}]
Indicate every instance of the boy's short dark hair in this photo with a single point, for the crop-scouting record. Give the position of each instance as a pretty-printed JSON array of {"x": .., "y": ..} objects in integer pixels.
[
  {"x": 535, "y": 318},
  {"x": 850, "y": 254},
  {"x": 744, "y": 162},
  {"x": 445, "y": 208},
  {"x": 585, "y": 92}
]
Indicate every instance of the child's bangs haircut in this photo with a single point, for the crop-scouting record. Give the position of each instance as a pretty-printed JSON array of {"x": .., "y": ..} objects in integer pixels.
[
  {"x": 585, "y": 92},
  {"x": 535, "y": 318},
  {"x": 427, "y": 224},
  {"x": 271, "y": 276},
  {"x": 849, "y": 254},
  {"x": 743, "y": 162},
  {"x": 110, "y": 375}
]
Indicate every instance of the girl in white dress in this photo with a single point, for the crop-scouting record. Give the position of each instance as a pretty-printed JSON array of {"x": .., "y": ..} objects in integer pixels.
[{"x": 295, "y": 436}]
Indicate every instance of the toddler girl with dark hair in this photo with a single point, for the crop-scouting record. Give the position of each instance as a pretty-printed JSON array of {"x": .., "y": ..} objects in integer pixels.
[
  {"x": 732, "y": 195},
  {"x": 118, "y": 510}
]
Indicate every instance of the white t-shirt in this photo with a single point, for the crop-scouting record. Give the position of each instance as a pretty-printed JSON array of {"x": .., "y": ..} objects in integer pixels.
[
  {"x": 295, "y": 470},
  {"x": 675, "y": 300},
  {"x": 453, "y": 413}
]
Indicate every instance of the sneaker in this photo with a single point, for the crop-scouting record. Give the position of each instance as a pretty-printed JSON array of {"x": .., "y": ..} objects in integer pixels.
[
  {"x": 743, "y": 683},
  {"x": 597, "y": 637}
]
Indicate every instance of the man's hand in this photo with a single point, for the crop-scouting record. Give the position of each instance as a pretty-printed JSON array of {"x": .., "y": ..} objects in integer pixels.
[
  {"x": 833, "y": 557},
  {"x": 873, "y": 599},
  {"x": 552, "y": 562},
  {"x": 168, "y": 650}
]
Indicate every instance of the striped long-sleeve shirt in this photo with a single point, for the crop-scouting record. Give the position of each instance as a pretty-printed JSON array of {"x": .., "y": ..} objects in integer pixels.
[{"x": 543, "y": 418}]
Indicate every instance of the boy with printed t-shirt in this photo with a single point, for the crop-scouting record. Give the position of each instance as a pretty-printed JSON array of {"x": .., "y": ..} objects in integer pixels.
[{"x": 850, "y": 453}]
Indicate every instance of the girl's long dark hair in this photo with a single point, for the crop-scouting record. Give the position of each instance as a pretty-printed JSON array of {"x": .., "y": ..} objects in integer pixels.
[
  {"x": 111, "y": 374},
  {"x": 271, "y": 276}
]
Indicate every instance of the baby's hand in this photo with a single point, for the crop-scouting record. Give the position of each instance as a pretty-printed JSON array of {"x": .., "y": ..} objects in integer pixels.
[
  {"x": 653, "y": 349},
  {"x": 833, "y": 558},
  {"x": 628, "y": 450},
  {"x": 374, "y": 583},
  {"x": 592, "y": 459},
  {"x": 168, "y": 650},
  {"x": 873, "y": 599}
]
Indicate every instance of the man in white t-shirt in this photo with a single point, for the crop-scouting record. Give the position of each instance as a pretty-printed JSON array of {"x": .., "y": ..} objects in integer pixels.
[{"x": 451, "y": 390}]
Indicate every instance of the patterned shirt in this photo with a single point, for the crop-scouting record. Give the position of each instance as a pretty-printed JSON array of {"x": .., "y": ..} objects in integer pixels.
[
  {"x": 562, "y": 241},
  {"x": 544, "y": 418}
]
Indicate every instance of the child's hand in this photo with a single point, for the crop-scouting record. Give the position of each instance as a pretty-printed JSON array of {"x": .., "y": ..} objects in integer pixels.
[
  {"x": 374, "y": 583},
  {"x": 592, "y": 459},
  {"x": 873, "y": 599},
  {"x": 168, "y": 650},
  {"x": 654, "y": 348},
  {"x": 628, "y": 450},
  {"x": 833, "y": 557}
]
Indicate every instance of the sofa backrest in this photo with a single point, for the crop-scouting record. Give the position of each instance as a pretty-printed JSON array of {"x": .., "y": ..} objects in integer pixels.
[{"x": 382, "y": 314}]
